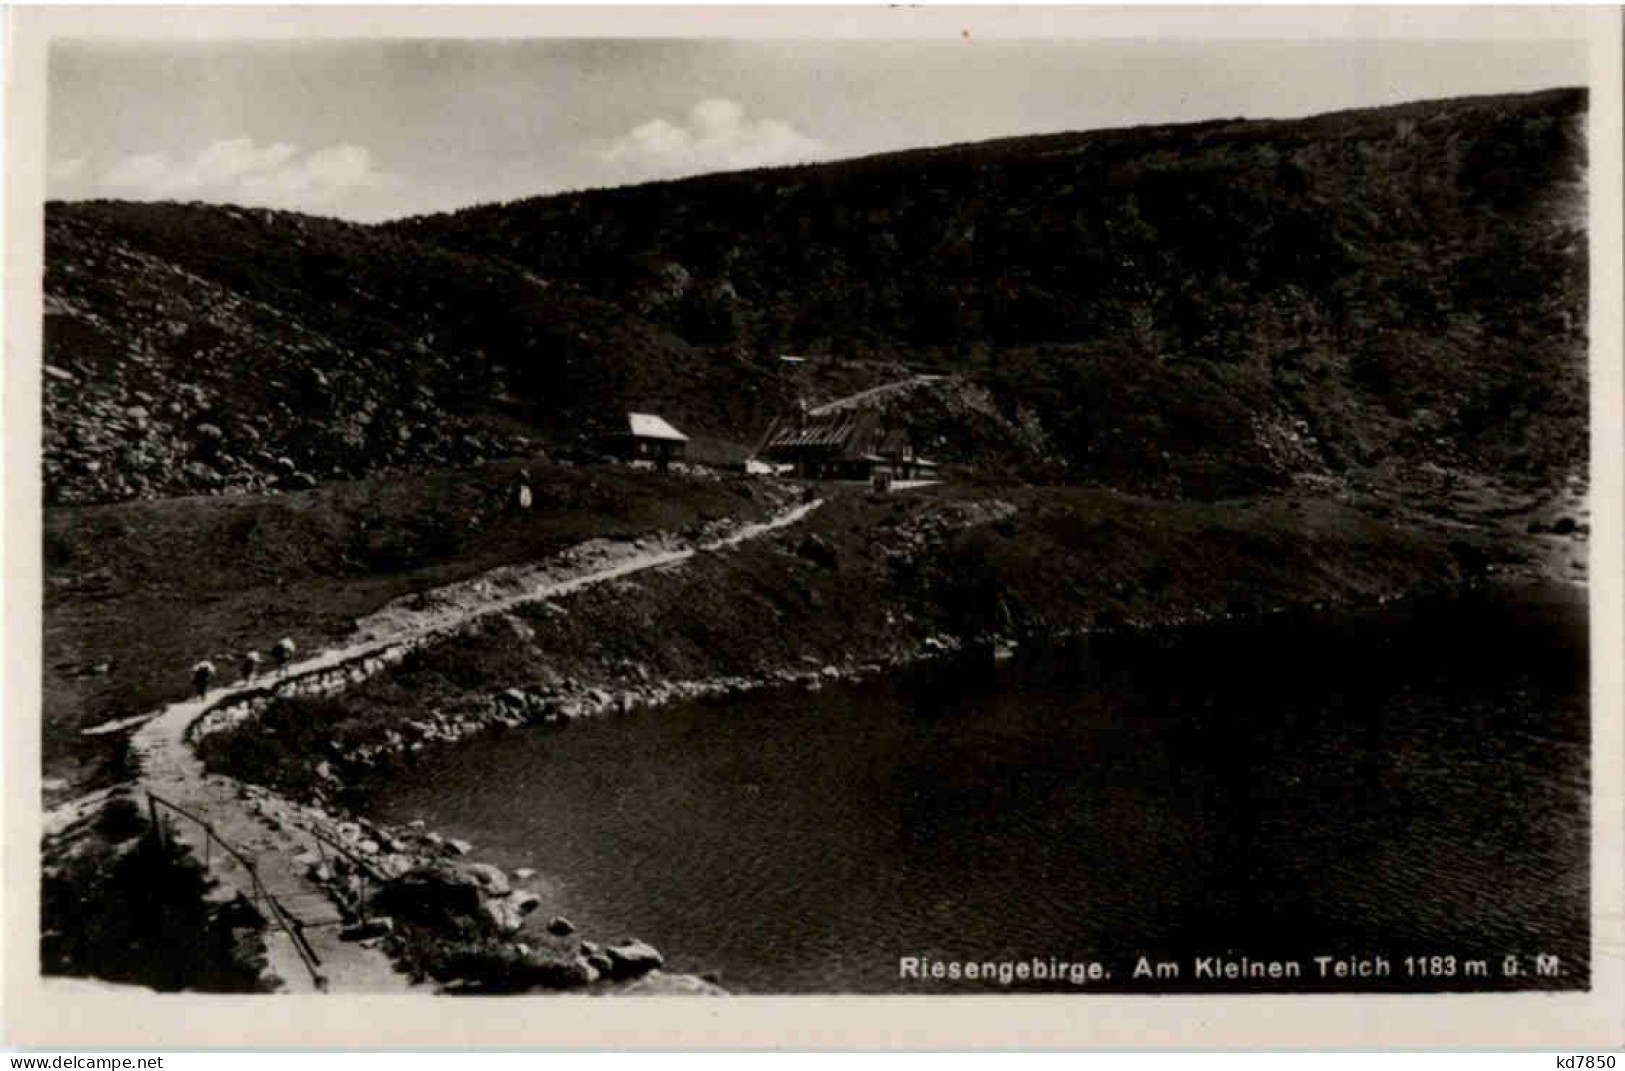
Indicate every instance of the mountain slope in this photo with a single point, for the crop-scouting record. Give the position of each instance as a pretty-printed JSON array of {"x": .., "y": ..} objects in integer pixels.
[{"x": 1199, "y": 310}]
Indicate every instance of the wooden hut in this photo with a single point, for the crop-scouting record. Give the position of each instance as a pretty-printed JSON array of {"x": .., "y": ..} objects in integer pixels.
[{"x": 647, "y": 437}]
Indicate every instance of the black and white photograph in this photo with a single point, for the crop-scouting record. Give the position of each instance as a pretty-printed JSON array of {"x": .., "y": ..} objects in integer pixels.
[{"x": 964, "y": 510}]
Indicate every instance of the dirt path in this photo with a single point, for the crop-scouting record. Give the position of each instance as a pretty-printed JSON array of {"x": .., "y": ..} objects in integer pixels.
[{"x": 273, "y": 837}]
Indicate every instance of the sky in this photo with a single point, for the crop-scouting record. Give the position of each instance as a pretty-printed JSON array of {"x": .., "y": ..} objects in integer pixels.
[{"x": 377, "y": 129}]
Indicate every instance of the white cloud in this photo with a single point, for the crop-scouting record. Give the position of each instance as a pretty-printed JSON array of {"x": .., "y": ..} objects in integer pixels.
[
  {"x": 337, "y": 179},
  {"x": 717, "y": 136}
]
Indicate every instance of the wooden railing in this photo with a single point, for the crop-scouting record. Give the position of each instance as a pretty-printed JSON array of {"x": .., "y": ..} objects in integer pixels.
[{"x": 263, "y": 900}]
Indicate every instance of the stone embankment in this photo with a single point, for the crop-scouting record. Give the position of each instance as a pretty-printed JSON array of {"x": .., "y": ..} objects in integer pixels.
[{"x": 420, "y": 899}]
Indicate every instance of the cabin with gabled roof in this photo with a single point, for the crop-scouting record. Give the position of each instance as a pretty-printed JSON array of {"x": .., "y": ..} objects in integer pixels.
[{"x": 646, "y": 437}]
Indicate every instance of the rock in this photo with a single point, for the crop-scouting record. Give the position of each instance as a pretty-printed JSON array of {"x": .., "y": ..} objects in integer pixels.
[
  {"x": 394, "y": 865},
  {"x": 457, "y": 846},
  {"x": 200, "y": 475},
  {"x": 560, "y": 926},
  {"x": 1564, "y": 526},
  {"x": 541, "y": 969},
  {"x": 524, "y": 873},
  {"x": 507, "y": 913},
  {"x": 491, "y": 879},
  {"x": 601, "y": 963},
  {"x": 631, "y": 958},
  {"x": 659, "y": 983},
  {"x": 58, "y": 373},
  {"x": 435, "y": 893},
  {"x": 502, "y": 916},
  {"x": 524, "y": 901}
]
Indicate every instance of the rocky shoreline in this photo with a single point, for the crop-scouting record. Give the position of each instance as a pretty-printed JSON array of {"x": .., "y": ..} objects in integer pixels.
[{"x": 441, "y": 916}]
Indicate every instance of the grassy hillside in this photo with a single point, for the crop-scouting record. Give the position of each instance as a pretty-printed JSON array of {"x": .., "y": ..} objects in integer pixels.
[
  {"x": 1181, "y": 311},
  {"x": 136, "y": 592}
]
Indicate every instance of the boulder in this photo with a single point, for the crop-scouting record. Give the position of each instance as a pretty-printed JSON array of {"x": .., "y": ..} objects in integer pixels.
[
  {"x": 502, "y": 916},
  {"x": 659, "y": 983},
  {"x": 457, "y": 846},
  {"x": 632, "y": 957},
  {"x": 432, "y": 893},
  {"x": 507, "y": 913},
  {"x": 492, "y": 880},
  {"x": 560, "y": 926}
]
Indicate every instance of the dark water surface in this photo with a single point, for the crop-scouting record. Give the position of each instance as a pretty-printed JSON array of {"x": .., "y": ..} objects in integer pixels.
[{"x": 1404, "y": 782}]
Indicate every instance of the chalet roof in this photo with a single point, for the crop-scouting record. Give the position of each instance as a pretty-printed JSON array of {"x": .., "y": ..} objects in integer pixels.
[
  {"x": 833, "y": 432},
  {"x": 649, "y": 426},
  {"x": 859, "y": 427},
  {"x": 848, "y": 434}
]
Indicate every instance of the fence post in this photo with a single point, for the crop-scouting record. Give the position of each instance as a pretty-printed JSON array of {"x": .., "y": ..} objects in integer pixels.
[
  {"x": 267, "y": 904},
  {"x": 157, "y": 822}
]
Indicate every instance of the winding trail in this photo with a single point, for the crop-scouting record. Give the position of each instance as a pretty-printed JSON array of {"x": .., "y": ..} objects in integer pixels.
[{"x": 171, "y": 769}]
